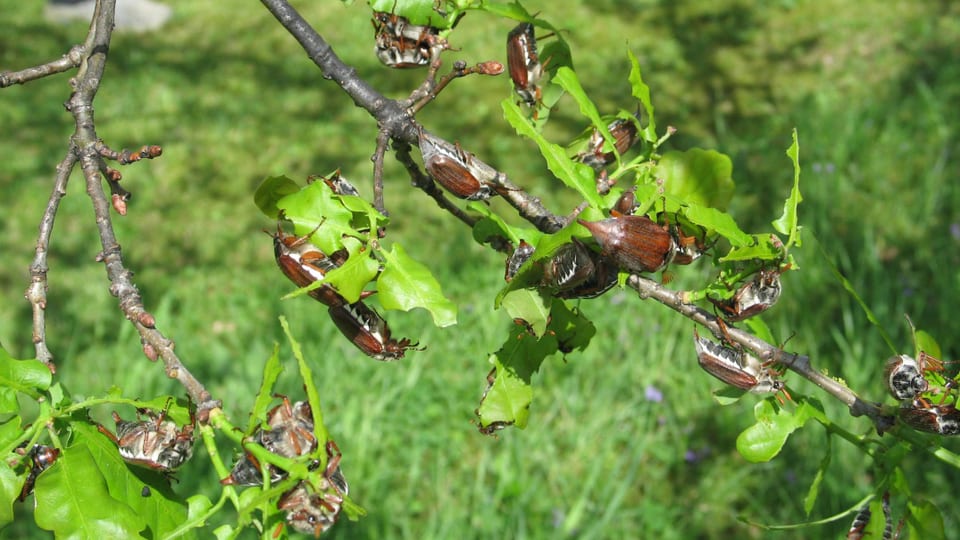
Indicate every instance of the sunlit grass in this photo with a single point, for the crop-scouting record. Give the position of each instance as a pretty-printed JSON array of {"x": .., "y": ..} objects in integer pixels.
[{"x": 601, "y": 458}]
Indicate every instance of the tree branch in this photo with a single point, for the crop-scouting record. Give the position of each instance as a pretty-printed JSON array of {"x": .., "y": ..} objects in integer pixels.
[
  {"x": 391, "y": 115},
  {"x": 86, "y": 147},
  {"x": 798, "y": 363},
  {"x": 64, "y": 63}
]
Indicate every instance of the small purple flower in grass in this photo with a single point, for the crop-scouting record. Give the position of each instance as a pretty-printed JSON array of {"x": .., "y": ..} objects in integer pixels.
[
  {"x": 652, "y": 393},
  {"x": 955, "y": 230}
]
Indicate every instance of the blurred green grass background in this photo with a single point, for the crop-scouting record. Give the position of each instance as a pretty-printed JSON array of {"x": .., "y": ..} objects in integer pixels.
[{"x": 873, "y": 89}]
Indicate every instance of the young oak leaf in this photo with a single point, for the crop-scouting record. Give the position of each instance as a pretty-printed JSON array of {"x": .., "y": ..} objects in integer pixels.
[
  {"x": 72, "y": 500},
  {"x": 406, "y": 284}
]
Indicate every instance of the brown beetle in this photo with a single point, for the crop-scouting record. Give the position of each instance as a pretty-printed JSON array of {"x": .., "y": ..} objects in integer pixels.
[
  {"x": 942, "y": 419},
  {"x": 289, "y": 434},
  {"x": 754, "y": 297},
  {"x": 368, "y": 331},
  {"x": 304, "y": 263},
  {"x": 635, "y": 243},
  {"x": 576, "y": 271},
  {"x": 40, "y": 458},
  {"x": 154, "y": 442},
  {"x": 400, "y": 44},
  {"x": 734, "y": 367},
  {"x": 457, "y": 170},
  {"x": 524, "y": 63},
  {"x": 313, "y": 506},
  {"x": 520, "y": 255},
  {"x": 624, "y": 133}
]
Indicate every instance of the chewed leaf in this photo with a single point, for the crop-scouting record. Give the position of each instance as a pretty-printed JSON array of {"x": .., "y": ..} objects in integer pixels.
[
  {"x": 642, "y": 92},
  {"x": 787, "y": 223},
  {"x": 698, "y": 176},
  {"x": 720, "y": 222},
  {"x": 406, "y": 284},
  {"x": 507, "y": 400},
  {"x": 415, "y": 11},
  {"x": 573, "y": 174},
  {"x": 572, "y": 330},
  {"x": 272, "y": 369},
  {"x": 764, "y": 440},
  {"x": 529, "y": 306},
  {"x": 270, "y": 191}
]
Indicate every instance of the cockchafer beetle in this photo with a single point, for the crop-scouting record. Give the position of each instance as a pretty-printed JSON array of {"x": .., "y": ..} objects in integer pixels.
[
  {"x": 635, "y": 243},
  {"x": 368, "y": 331},
  {"x": 304, "y": 263},
  {"x": 39, "y": 459},
  {"x": 524, "y": 63},
  {"x": 735, "y": 367},
  {"x": 339, "y": 185},
  {"x": 859, "y": 523},
  {"x": 289, "y": 434},
  {"x": 154, "y": 443},
  {"x": 520, "y": 255},
  {"x": 457, "y": 170},
  {"x": 754, "y": 297},
  {"x": 922, "y": 416},
  {"x": 576, "y": 271},
  {"x": 624, "y": 133},
  {"x": 400, "y": 44},
  {"x": 314, "y": 505},
  {"x": 905, "y": 376}
]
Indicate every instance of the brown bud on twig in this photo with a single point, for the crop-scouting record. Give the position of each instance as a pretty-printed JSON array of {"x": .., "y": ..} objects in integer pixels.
[
  {"x": 150, "y": 352},
  {"x": 146, "y": 319},
  {"x": 119, "y": 204}
]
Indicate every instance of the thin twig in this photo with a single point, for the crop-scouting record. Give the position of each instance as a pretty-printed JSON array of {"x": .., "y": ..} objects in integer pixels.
[
  {"x": 37, "y": 291},
  {"x": 64, "y": 63},
  {"x": 85, "y": 144},
  {"x": 383, "y": 139},
  {"x": 765, "y": 351}
]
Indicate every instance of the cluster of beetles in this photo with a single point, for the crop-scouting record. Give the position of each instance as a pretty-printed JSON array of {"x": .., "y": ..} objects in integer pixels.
[{"x": 625, "y": 242}]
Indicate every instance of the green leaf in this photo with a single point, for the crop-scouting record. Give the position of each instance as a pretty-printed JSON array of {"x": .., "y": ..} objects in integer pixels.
[
  {"x": 572, "y": 330},
  {"x": 270, "y": 191},
  {"x": 927, "y": 344},
  {"x": 352, "y": 277},
  {"x": 764, "y": 440},
  {"x": 715, "y": 220},
  {"x": 568, "y": 80},
  {"x": 698, "y": 176},
  {"x": 787, "y": 223},
  {"x": 925, "y": 521},
  {"x": 415, "y": 11},
  {"x": 72, "y": 501},
  {"x": 507, "y": 400},
  {"x": 316, "y": 205},
  {"x": 811, "y": 499},
  {"x": 162, "y": 509},
  {"x": 574, "y": 175},
  {"x": 26, "y": 376},
  {"x": 10, "y": 485},
  {"x": 10, "y": 432},
  {"x": 313, "y": 397},
  {"x": 406, "y": 284},
  {"x": 272, "y": 369},
  {"x": 761, "y": 247},
  {"x": 528, "y": 305},
  {"x": 642, "y": 92},
  {"x": 493, "y": 225}
]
